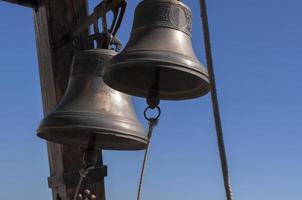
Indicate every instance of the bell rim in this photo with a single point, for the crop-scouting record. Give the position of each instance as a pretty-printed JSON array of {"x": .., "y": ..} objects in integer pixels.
[
  {"x": 191, "y": 94},
  {"x": 53, "y": 134},
  {"x": 51, "y": 129},
  {"x": 196, "y": 69}
]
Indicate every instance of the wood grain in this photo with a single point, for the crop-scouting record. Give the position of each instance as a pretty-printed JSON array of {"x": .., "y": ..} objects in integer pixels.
[{"x": 53, "y": 20}]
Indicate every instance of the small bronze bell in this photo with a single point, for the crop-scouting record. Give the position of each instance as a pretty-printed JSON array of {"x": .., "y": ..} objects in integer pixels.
[
  {"x": 159, "y": 54},
  {"x": 89, "y": 106}
]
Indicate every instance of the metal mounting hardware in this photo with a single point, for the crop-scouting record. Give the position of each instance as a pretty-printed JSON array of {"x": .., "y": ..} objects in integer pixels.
[
  {"x": 117, "y": 7},
  {"x": 71, "y": 178},
  {"x": 99, "y": 11}
]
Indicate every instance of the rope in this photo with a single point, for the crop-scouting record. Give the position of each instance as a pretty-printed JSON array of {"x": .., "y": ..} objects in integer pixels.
[
  {"x": 83, "y": 173},
  {"x": 219, "y": 132},
  {"x": 152, "y": 124}
]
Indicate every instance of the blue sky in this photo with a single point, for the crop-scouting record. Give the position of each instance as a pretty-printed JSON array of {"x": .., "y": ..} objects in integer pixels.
[{"x": 257, "y": 51}]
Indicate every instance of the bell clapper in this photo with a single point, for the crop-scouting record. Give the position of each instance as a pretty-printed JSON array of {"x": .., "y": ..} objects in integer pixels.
[
  {"x": 90, "y": 159},
  {"x": 153, "y": 99}
]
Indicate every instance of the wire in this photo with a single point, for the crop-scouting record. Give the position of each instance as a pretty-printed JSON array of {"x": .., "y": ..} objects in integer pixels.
[{"x": 215, "y": 105}]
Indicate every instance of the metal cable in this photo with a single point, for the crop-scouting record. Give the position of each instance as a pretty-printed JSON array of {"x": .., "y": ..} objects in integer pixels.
[
  {"x": 152, "y": 124},
  {"x": 215, "y": 105}
]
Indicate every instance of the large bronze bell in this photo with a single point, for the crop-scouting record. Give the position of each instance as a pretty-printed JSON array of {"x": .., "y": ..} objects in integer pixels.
[
  {"x": 159, "y": 54},
  {"x": 89, "y": 106}
]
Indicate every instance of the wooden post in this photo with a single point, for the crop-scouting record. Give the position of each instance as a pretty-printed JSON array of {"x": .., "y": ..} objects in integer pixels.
[
  {"x": 27, "y": 3},
  {"x": 53, "y": 20}
]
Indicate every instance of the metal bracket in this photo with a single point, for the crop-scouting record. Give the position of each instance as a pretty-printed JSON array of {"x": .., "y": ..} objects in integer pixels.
[
  {"x": 99, "y": 11},
  {"x": 70, "y": 179},
  {"x": 117, "y": 7}
]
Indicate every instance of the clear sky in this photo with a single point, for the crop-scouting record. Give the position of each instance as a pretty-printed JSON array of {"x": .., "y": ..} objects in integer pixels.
[{"x": 258, "y": 56}]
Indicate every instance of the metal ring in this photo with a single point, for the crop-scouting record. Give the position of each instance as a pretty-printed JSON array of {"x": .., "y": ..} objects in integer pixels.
[{"x": 150, "y": 118}]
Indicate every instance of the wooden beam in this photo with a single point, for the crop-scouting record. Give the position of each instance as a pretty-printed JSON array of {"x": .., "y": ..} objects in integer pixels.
[
  {"x": 27, "y": 3},
  {"x": 53, "y": 20}
]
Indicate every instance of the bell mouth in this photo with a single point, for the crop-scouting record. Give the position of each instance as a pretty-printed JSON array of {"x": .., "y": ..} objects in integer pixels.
[
  {"x": 72, "y": 128},
  {"x": 134, "y": 72},
  {"x": 105, "y": 139}
]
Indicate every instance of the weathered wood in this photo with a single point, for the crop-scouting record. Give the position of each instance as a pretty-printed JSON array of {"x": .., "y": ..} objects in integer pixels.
[
  {"x": 53, "y": 20},
  {"x": 27, "y": 3}
]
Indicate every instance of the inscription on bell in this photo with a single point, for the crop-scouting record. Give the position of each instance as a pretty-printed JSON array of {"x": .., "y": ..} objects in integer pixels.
[
  {"x": 152, "y": 14},
  {"x": 177, "y": 17}
]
